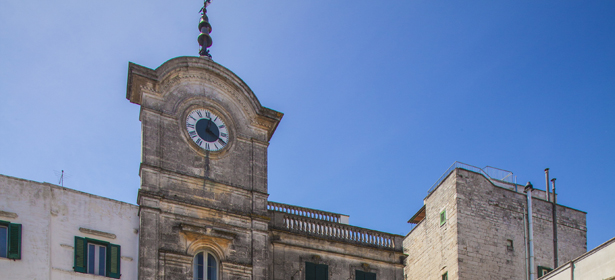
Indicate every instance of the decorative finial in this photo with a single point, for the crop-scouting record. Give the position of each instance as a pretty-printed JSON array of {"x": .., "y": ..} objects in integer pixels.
[{"x": 205, "y": 28}]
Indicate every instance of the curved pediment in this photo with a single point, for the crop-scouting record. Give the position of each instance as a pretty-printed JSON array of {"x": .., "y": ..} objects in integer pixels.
[{"x": 167, "y": 88}]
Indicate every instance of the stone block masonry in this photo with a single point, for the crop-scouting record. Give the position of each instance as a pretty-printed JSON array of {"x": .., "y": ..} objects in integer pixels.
[{"x": 487, "y": 232}]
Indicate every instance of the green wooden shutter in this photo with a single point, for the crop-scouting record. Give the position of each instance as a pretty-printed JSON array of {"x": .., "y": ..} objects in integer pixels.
[
  {"x": 359, "y": 275},
  {"x": 310, "y": 271},
  {"x": 443, "y": 217},
  {"x": 14, "y": 250},
  {"x": 113, "y": 261},
  {"x": 322, "y": 272},
  {"x": 81, "y": 253}
]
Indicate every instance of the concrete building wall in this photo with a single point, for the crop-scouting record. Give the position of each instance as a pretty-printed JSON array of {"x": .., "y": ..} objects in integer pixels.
[
  {"x": 431, "y": 247},
  {"x": 51, "y": 217}
]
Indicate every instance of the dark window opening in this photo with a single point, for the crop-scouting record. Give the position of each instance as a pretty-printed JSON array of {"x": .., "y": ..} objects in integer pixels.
[
  {"x": 362, "y": 275},
  {"x": 316, "y": 271}
]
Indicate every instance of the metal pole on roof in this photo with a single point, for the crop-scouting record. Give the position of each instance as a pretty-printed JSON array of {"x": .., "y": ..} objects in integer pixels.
[
  {"x": 556, "y": 261},
  {"x": 528, "y": 191}
]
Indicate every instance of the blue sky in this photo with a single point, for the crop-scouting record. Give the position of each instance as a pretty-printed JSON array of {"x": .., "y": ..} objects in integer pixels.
[{"x": 380, "y": 98}]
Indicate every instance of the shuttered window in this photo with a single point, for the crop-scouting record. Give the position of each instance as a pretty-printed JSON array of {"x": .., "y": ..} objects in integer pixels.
[
  {"x": 10, "y": 240},
  {"x": 316, "y": 271},
  {"x": 543, "y": 270},
  {"x": 443, "y": 217},
  {"x": 362, "y": 275},
  {"x": 97, "y": 257}
]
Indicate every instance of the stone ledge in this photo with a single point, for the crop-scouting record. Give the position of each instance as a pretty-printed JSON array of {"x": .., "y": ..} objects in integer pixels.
[
  {"x": 9, "y": 215},
  {"x": 98, "y": 233}
]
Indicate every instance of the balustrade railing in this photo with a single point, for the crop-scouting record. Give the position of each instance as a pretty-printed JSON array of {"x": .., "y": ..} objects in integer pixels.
[
  {"x": 336, "y": 231},
  {"x": 305, "y": 212}
]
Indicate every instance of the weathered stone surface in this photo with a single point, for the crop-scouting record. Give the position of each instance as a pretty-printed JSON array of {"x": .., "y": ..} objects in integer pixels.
[
  {"x": 482, "y": 221},
  {"x": 192, "y": 200}
]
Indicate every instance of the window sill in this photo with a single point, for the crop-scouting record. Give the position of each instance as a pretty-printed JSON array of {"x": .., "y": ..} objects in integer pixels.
[{"x": 80, "y": 275}]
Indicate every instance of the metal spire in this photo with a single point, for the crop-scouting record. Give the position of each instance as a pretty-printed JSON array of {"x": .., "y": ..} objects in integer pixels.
[{"x": 205, "y": 28}]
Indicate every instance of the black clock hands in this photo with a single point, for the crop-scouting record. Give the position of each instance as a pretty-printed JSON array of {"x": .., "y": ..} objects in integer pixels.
[{"x": 209, "y": 130}]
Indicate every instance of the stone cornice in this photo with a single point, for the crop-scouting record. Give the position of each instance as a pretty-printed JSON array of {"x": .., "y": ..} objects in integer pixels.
[{"x": 155, "y": 83}]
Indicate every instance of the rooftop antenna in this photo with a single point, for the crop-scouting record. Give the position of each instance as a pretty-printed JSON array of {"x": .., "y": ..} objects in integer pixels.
[
  {"x": 61, "y": 175},
  {"x": 205, "y": 28},
  {"x": 61, "y": 183}
]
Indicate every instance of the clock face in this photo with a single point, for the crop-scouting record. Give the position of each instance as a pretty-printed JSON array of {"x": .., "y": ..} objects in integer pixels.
[{"x": 207, "y": 130}]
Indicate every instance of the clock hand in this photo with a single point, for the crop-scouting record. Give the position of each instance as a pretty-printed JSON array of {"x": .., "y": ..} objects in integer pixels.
[{"x": 208, "y": 129}]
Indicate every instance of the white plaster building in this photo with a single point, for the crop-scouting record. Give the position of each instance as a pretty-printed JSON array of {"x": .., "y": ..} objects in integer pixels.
[{"x": 53, "y": 219}]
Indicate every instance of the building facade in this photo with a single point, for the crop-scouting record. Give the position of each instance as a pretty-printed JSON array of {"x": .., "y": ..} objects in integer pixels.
[
  {"x": 475, "y": 227},
  {"x": 57, "y": 225},
  {"x": 203, "y": 210}
]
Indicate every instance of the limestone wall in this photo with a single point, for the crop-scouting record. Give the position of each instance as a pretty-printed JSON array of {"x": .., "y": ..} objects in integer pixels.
[
  {"x": 431, "y": 247},
  {"x": 192, "y": 199},
  {"x": 291, "y": 251},
  {"x": 484, "y": 237},
  {"x": 491, "y": 217}
]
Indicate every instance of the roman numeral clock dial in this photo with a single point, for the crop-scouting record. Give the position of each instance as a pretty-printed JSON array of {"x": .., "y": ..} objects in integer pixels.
[{"x": 207, "y": 130}]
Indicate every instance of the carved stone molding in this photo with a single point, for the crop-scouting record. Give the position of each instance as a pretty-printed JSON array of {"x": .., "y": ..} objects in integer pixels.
[
  {"x": 175, "y": 259},
  {"x": 97, "y": 233},
  {"x": 236, "y": 269},
  {"x": 210, "y": 231},
  {"x": 9, "y": 215}
]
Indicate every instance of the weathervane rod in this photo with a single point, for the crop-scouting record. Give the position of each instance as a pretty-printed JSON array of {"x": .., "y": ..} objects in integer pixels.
[{"x": 205, "y": 28}]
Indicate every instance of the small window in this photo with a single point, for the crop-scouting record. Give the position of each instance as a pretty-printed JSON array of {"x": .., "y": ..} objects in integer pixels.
[
  {"x": 205, "y": 266},
  {"x": 97, "y": 257},
  {"x": 542, "y": 270},
  {"x": 443, "y": 217},
  {"x": 10, "y": 240},
  {"x": 361, "y": 275},
  {"x": 445, "y": 276},
  {"x": 316, "y": 271},
  {"x": 509, "y": 245}
]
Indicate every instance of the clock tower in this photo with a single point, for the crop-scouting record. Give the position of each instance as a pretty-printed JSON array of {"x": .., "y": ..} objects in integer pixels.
[{"x": 203, "y": 196}]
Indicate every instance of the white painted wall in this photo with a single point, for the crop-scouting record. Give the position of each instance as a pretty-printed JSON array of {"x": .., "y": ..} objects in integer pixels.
[
  {"x": 51, "y": 217},
  {"x": 598, "y": 263}
]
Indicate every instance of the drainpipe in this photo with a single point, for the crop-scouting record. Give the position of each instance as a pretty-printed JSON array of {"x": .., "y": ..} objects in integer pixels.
[
  {"x": 547, "y": 177},
  {"x": 528, "y": 191},
  {"x": 525, "y": 251},
  {"x": 554, "y": 225}
]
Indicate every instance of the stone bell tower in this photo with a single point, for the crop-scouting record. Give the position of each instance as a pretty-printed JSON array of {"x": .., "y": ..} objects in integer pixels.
[{"x": 203, "y": 170}]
